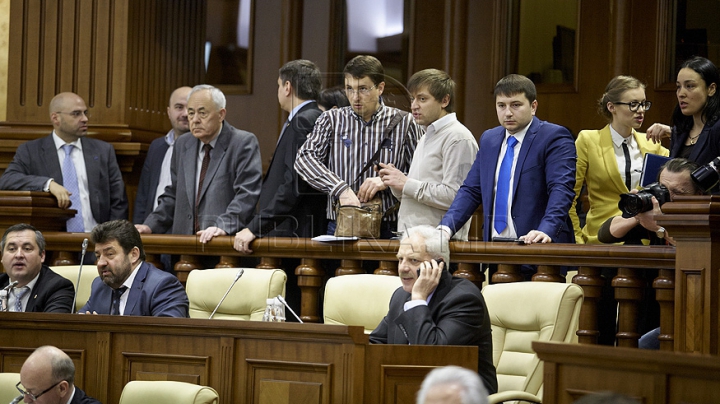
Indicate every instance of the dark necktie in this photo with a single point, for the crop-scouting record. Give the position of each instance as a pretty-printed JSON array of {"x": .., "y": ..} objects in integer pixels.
[
  {"x": 203, "y": 171},
  {"x": 503, "y": 186},
  {"x": 626, "y": 152},
  {"x": 70, "y": 182},
  {"x": 115, "y": 308}
]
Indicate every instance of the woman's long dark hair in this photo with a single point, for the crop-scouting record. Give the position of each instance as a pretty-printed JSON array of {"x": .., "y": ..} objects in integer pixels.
[{"x": 711, "y": 112}]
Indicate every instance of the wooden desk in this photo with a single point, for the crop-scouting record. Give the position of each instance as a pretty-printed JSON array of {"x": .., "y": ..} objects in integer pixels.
[
  {"x": 651, "y": 377},
  {"x": 246, "y": 362}
]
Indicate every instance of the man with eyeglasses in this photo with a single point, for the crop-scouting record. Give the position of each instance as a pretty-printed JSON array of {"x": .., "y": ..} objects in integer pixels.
[
  {"x": 81, "y": 172},
  {"x": 48, "y": 376},
  {"x": 215, "y": 175},
  {"x": 344, "y": 141}
]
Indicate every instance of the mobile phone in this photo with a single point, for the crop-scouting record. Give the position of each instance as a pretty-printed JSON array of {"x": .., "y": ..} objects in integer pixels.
[
  {"x": 439, "y": 260},
  {"x": 508, "y": 240}
]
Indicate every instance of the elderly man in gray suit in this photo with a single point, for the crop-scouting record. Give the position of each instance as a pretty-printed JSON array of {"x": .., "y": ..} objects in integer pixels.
[{"x": 216, "y": 174}]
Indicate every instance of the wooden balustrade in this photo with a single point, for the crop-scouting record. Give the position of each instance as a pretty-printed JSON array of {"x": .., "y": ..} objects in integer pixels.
[{"x": 349, "y": 256}]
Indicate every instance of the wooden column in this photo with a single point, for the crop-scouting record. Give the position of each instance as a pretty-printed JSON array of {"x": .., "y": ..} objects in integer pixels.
[
  {"x": 628, "y": 292},
  {"x": 694, "y": 223},
  {"x": 592, "y": 283},
  {"x": 310, "y": 279},
  {"x": 664, "y": 286}
]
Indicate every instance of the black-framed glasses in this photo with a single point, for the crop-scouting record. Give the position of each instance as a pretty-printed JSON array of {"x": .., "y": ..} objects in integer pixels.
[
  {"x": 32, "y": 396},
  {"x": 75, "y": 114},
  {"x": 635, "y": 105}
]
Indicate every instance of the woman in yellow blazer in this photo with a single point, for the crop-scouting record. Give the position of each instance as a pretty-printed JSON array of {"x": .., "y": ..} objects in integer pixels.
[{"x": 605, "y": 156}]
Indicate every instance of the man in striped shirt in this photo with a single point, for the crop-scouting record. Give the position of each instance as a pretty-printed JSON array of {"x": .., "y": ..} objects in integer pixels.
[{"x": 345, "y": 139}]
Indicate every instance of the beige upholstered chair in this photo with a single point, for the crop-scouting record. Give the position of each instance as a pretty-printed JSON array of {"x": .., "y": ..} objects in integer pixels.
[
  {"x": 8, "y": 392},
  {"x": 167, "y": 392},
  {"x": 521, "y": 313},
  {"x": 246, "y": 300},
  {"x": 358, "y": 299},
  {"x": 89, "y": 273}
]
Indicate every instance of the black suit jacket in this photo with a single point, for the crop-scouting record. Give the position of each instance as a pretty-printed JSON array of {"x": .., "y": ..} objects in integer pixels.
[
  {"x": 456, "y": 315},
  {"x": 149, "y": 179},
  {"x": 288, "y": 206},
  {"x": 36, "y": 161},
  {"x": 52, "y": 293},
  {"x": 81, "y": 398}
]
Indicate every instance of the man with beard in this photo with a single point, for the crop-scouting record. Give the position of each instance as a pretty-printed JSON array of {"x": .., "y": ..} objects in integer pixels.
[{"x": 127, "y": 284}]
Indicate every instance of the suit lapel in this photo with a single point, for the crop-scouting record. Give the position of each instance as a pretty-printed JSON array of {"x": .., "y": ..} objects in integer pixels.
[
  {"x": 524, "y": 150},
  {"x": 50, "y": 157},
  {"x": 609, "y": 161},
  {"x": 135, "y": 291},
  {"x": 191, "y": 150},
  {"x": 217, "y": 153},
  {"x": 92, "y": 171},
  {"x": 700, "y": 145}
]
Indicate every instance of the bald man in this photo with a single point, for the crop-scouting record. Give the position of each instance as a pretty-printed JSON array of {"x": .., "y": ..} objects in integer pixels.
[
  {"x": 81, "y": 172},
  {"x": 48, "y": 376},
  {"x": 155, "y": 174}
]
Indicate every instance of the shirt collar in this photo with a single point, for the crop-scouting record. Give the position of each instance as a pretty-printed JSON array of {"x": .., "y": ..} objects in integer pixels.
[
  {"x": 129, "y": 281},
  {"x": 297, "y": 108},
  {"x": 60, "y": 143},
  {"x": 381, "y": 107},
  {"x": 520, "y": 135},
  {"x": 439, "y": 123},
  {"x": 618, "y": 140}
]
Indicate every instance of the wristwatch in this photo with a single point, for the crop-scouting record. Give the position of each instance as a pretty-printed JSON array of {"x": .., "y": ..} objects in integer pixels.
[{"x": 660, "y": 233}]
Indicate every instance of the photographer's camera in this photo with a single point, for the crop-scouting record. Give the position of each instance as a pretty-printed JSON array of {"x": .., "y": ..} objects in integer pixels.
[{"x": 632, "y": 204}]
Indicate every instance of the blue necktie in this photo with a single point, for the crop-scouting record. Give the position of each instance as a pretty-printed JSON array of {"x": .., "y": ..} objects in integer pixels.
[
  {"x": 503, "y": 186},
  {"x": 70, "y": 181},
  {"x": 19, "y": 294}
]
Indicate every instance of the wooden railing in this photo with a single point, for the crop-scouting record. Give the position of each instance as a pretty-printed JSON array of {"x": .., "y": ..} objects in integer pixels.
[{"x": 631, "y": 261}]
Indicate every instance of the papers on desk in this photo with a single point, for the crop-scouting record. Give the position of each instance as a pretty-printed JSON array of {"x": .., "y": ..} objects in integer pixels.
[{"x": 328, "y": 238}]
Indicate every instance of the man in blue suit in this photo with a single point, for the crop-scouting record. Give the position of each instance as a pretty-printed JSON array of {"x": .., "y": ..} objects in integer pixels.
[
  {"x": 523, "y": 175},
  {"x": 127, "y": 285}
]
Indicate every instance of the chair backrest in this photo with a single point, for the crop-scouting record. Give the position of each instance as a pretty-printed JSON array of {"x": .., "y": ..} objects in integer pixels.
[
  {"x": 8, "y": 392},
  {"x": 167, "y": 392},
  {"x": 89, "y": 273},
  {"x": 246, "y": 300},
  {"x": 521, "y": 313},
  {"x": 358, "y": 299}
]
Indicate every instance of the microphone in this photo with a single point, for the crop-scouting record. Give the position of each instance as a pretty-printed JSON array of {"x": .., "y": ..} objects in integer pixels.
[
  {"x": 282, "y": 300},
  {"x": 239, "y": 274},
  {"x": 10, "y": 285},
  {"x": 17, "y": 399},
  {"x": 77, "y": 285}
]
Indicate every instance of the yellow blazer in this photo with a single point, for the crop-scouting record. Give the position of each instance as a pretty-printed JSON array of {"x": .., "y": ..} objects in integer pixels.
[{"x": 598, "y": 168}]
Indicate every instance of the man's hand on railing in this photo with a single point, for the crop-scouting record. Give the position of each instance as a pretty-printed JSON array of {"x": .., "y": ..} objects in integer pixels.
[
  {"x": 62, "y": 194},
  {"x": 208, "y": 234},
  {"x": 242, "y": 241},
  {"x": 143, "y": 229},
  {"x": 535, "y": 236}
]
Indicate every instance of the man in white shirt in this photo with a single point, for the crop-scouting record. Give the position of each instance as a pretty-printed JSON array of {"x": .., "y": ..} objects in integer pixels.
[{"x": 442, "y": 158}]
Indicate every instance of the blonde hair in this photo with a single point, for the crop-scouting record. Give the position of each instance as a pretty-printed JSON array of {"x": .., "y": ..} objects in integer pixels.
[{"x": 614, "y": 90}]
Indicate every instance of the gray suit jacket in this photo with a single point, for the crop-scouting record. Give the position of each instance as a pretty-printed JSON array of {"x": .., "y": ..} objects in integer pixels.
[
  {"x": 230, "y": 190},
  {"x": 36, "y": 161}
]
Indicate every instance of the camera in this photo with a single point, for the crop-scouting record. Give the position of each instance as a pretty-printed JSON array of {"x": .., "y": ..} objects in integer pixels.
[
  {"x": 707, "y": 176},
  {"x": 632, "y": 204}
]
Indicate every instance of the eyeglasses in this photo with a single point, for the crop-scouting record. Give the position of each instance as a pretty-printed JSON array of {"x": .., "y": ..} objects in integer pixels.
[
  {"x": 362, "y": 90},
  {"x": 634, "y": 105},
  {"x": 76, "y": 114},
  {"x": 32, "y": 396}
]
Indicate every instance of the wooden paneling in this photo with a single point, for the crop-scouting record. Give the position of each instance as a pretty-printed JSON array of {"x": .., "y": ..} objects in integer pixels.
[{"x": 246, "y": 362}]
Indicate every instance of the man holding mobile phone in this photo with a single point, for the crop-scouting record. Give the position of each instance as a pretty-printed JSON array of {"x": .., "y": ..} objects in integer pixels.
[{"x": 432, "y": 307}]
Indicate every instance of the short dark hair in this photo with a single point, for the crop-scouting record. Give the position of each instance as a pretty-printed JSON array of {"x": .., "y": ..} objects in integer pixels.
[
  {"x": 333, "y": 97},
  {"x": 39, "y": 239},
  {"x": 122, "y": 231},
  {"x": 679, "y": 165},
  {"x": 439, "y": 85},
  {"x": 304, "y": 76},
  {"x": 365, "y": 66},
  {"x": 513, "y": 84}
]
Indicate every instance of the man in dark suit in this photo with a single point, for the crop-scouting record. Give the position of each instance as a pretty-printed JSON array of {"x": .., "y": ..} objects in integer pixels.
[
  {"x": 45, "y": 366},
  {"x": 155, "y": 175},
  {"x": 523, "y": 175},
  {"x": 94, "y": 186},
  {"x": 128, "y": 285},
  {"x": 38, "y": 288},
  {"x": 215, "y": 173},
  {"x": 288, "y": 206},
  {"x": 432, "y": 307}
]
